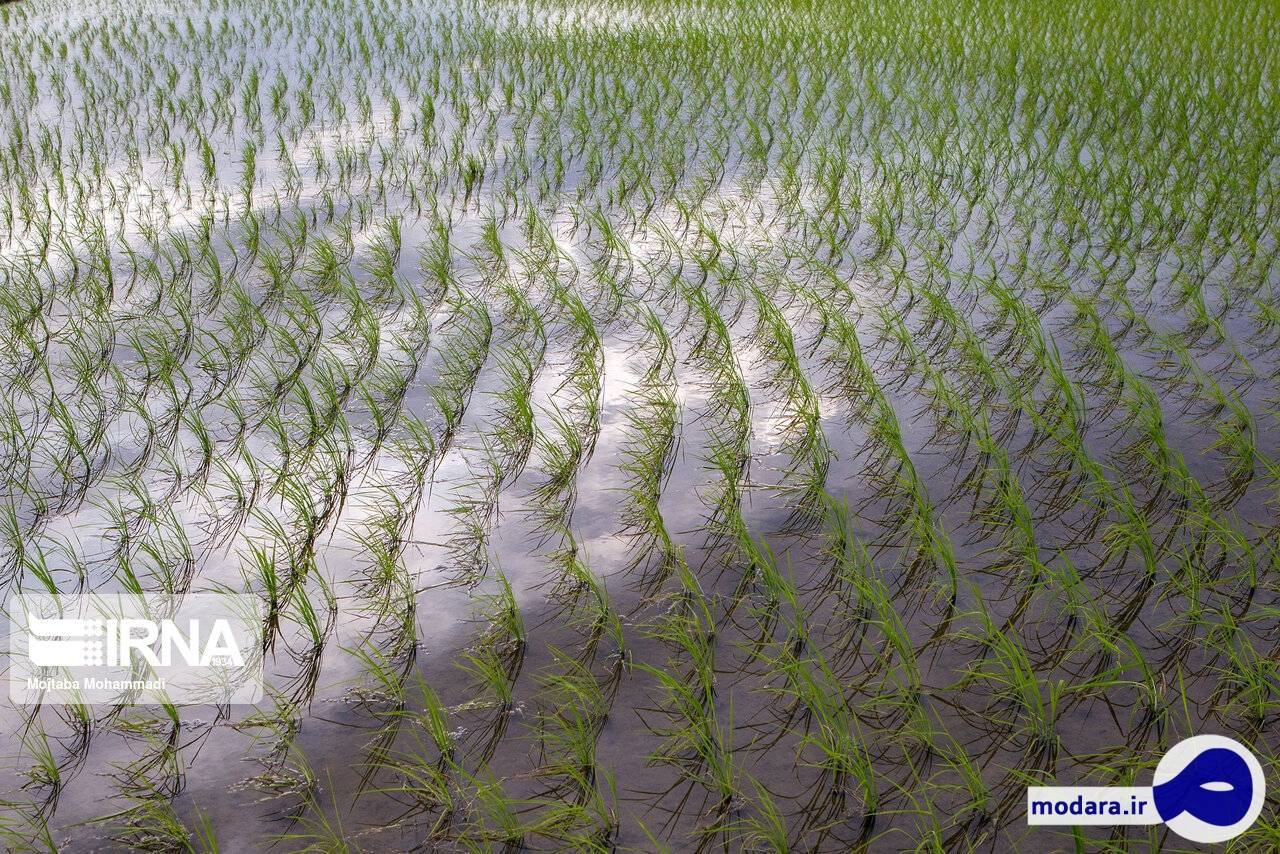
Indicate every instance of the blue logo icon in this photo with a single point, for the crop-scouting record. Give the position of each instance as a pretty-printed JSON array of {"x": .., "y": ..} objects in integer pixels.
[
  {"x": 1209, "y": 788},
  {"x": 1216, "y": 788}
]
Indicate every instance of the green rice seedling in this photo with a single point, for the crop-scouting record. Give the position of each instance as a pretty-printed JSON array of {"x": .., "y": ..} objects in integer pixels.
[
  {"x": 567, "y": 730},
  {"x": 694, "y": 741},
  {"x": 494, "y": 661},
  {"x": 273, "y": 587},
  {"x": 423, "y": 772},
  {"x": 475, "y": 510},
  {"x": 561, "y": 451},
  {"x": 591, "y": 827},
  {"x": 515, "y": 431},
  {"x": 646, "y": 463},
  {"x": 585, "y": 380},
  {"x": 23, "y": 831},
  {"x": 826, "y": 728},
  {"x": 765, "y": 828},
  {"x": 45, "y": 772},
  {"x": 977, "y": 810},
  {"x": 385, "y": 590},
  {"x": 587, "y": 602},
  {"x": 319, "y": 829},
  {"x": 1034, "y": 712},
  {"x": 1246, "y": 678},
  {"x": 804, "y": 442},
  {"x": 385, "y": 699},
  {"x": 731, "y": 402},
  {"x": 151, "y": 824},
  {"x": 204, "y": 835},
  {"x": 502, "y": 613},
  {"x": 317, "y": 626},
  {"x": 462, "y": 362},
  {"x": 285, "y": 772},
  {"x": 494, "y": 818}
]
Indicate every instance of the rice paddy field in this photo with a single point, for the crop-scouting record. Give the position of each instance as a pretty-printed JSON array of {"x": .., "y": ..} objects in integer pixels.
[{"x": 650, "y": 426}]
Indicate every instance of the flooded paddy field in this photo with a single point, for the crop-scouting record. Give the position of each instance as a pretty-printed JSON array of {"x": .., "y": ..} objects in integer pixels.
[{"x": 690, "y": 426}]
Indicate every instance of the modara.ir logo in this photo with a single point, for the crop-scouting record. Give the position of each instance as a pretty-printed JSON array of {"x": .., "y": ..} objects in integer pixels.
[{"x": 1207, "y": 789}]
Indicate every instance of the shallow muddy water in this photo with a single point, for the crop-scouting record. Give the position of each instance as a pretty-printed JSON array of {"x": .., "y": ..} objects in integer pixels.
[{"x": 663, "y": 427}]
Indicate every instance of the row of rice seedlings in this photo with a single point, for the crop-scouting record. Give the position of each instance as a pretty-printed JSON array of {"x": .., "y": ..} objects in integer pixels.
[
  {"x": 578, "y": 804},
  {"x": 653, "y": 422},
  {"x": 696, "y": 731},
  {"x": 729, "y": 436},
  {"x": 461, "y": 363},
  {"x": 803, "y": 440}
]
